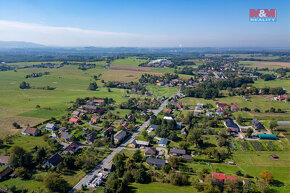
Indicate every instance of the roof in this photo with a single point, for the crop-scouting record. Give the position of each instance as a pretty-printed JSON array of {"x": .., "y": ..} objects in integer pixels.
[
  {"x": 267, "y": 136},
  {"x": 231, "y": 125},
  {"x": 146, "y": 143},
  {"x": 73, "y": 146},
  {"x": 155, "y": 161},
  {"x": 125, "y": 124},
  {"x": 30, "y": 130},
  {"x": 98, "y": 100},
  {"x": 177, "y": 151},
  {"x": 257, "y": 124},
  {"x": 168, "y": 110},
  {"x": 150, "y": 150},
  {"x": 55, "y": 159},
  {"x": 222, "y": 105},
  {"x": 50, "y": 126},
  {"x": 75, "y": 113},
  {"x": 66, "y": 135},
  {"x": 92, "y": 136},
  {"x": 221, "y": 176},
  {"x": 234, "y": 107},
  {"x": 73, "y": 120},
  {"x": 163, "y": 141},
  {"x": 120, "y": 135},
  {"x": 154, "y": 126},
  {"x": 95, "y": 118},
  {"x": 4, "y": 159},
  {"x": 168, "y": 118}
]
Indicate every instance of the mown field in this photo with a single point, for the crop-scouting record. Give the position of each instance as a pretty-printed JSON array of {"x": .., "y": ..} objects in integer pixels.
[
  {"x": 266, "y": 64},
  {"x": 130, "y": 61},
  {"x": 285, "y": 83}
]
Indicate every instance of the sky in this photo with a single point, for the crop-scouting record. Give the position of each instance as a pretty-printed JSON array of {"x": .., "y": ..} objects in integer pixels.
[{"x": 144, "y": 23}]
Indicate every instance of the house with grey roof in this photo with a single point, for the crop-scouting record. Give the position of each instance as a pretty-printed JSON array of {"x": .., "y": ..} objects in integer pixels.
[
  {"x": 155, "y": 162},
  {"x": 50, "y": 126},
  {"x": 163, "y": 142},
  {"x": 120, "y": 136}
]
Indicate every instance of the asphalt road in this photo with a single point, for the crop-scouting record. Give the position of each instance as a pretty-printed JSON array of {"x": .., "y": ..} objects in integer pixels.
[{"x": 107, "y": 162}]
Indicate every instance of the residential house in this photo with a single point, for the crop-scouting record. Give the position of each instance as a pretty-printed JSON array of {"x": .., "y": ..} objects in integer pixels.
[
  {"x": 91, "y": 137},
  {"x": 154, "y": 161},
  {"x": 234, "y": 107},
  {"x": 51, "y": 127},
  {"x": 126, "y": 124},
  {"x": 72, "y": 148},
  {"x": 222, "y": 105},
  {"x": 163, "y": 142},
  {"x": 99, "y": 101},
  {"x": 120, "y": 136},
  {"x": 76, "y": 121},
  {"x": 230, "y": 124},
  {"x": 280, "y": 98},
  {"x": 219, "y": 111},
  {"x": 4, "y": 160},
  {"x": 183, "y": 131},
  {"x": 168, "y": 111},
  {"x": 199, "y": 105},
  {"x": 75, "y": 113},
  {"x": 152, "y": 128},
  {"x": 95, "y": 120},
  {"x": 186, "y": 157},
  {"x": 177, "y": 152},
  {"x": 221, "y": 177},
  {"x": 66, "y": 136},
  {"x": 30, "y": 131},
  {"x": 54, "y": 160},
  {"x": 138, "y": 143},
  {"x": 257, "y": 125},
  {"x": 179, "y": 106},
  {"x": 150, "y": 151},
  {"x": 96, "y": 180}
]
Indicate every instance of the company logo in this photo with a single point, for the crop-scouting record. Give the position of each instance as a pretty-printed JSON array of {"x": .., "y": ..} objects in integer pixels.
[{"x": 263, "y": 15}]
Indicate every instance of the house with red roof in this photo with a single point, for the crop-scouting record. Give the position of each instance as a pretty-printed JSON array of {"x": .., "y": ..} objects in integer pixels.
[
  {"x": 126, "y": 124},
  {"x": 75, "y": 121},
  {"x": 72, "y": 148},
  {"x": 234, "y": 107},
  {"x": 221, "y": 177},
  {"x": 168, "y": 111},
  {"x": 95, "y": 120},
  {"x": 222, "y": 105}
]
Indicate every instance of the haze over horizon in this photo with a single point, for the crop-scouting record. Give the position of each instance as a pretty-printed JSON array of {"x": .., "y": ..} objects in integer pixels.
[{"x": 143, "y": 23}]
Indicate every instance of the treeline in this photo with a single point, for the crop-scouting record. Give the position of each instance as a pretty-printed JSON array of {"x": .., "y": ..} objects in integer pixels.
[
  {"x": 209, "y": 90},
  {"x": 186, "y": 70},
  {"x": 149, "y": 78},
  {"x": 26, "y": 85},
  {"x": 35, "y": 75},
  {"x": 255, "y": 91}
]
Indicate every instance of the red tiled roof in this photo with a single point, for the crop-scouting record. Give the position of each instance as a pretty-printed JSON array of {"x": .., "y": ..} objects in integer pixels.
[
  {"x": 222, "y": 105},
  {"x": 73, "y": 120},
  {"x": 221, "y": 176},
  {"x": 125, "y": 124},
  {"x": 29, "y": 130},
  {"x": 234, "y": 107}
]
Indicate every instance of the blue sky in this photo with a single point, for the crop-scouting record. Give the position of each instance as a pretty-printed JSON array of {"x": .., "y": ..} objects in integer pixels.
[{"x": 160, "y": 23}]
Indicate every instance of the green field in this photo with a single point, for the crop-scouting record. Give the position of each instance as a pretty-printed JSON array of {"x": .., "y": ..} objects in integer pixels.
[
  {"x": 19, "y": 105},
  {"x": 160, "y": 188},
  {"x": 285, "y": 83},
  {"x": 256, "y": 101},
  {"x": 130, "y": 61},
  {"x": 160, "y": 91}
]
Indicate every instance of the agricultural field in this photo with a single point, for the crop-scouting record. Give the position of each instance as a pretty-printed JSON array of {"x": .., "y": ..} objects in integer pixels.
[
  {"x": 285, "y": 83},
  {"x": 254, "y": 56},
  {"x": 19, "y": 106},
  {"x": 130, "y": 61},
  {"x": 265, "y": 64},
  {"x": 160, "y": 188},
  {"x": 256, "y": 101}
]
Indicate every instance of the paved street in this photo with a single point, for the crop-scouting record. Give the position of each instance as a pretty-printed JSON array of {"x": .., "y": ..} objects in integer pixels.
[{"x": 107, "y": 162}]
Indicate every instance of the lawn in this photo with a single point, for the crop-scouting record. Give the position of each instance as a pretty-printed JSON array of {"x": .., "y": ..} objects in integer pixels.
[
  {"x": 160, "y": 91},
  {"x": 130, "y": 61},
  {"x": 160, "y": 188},
  {"x": 24, "y": 141},
  {"x": 285, "y": 83}
]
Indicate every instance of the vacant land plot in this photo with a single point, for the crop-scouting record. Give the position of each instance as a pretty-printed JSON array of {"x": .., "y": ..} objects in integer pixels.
[
  {"x": 262, "y": 64},
  {"x": 130, "y": 68},
  {"x": 257, "y": 101},
  {"x": 131, "y": 61},
  {"x": 285, "y": 83},
  {"x": 161, "y": 91}
]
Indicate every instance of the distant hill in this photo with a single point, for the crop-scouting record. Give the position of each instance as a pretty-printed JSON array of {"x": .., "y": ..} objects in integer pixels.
[{"x": 18, "y": 44}]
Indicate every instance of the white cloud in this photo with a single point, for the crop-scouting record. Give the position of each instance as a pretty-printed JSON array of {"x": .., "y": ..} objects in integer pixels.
[{"x": 67, "y": 36}]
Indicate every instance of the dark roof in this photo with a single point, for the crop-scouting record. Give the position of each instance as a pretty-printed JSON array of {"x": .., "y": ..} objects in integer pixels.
[
  {"x": 55, "y": 159},
  {"x": 150, "y": 150},
  {"x": 231, "y": 124},
  {"x": 92, "y": 136},
  {"x": 72, "y": 147},
  {"x": 66, "y": 135},
  {"x": 155, "y": 161},
  {"x": 257, "y": 124},
  {"x": 163, "y": 141},
  {"x": 177, "y": 151}
]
